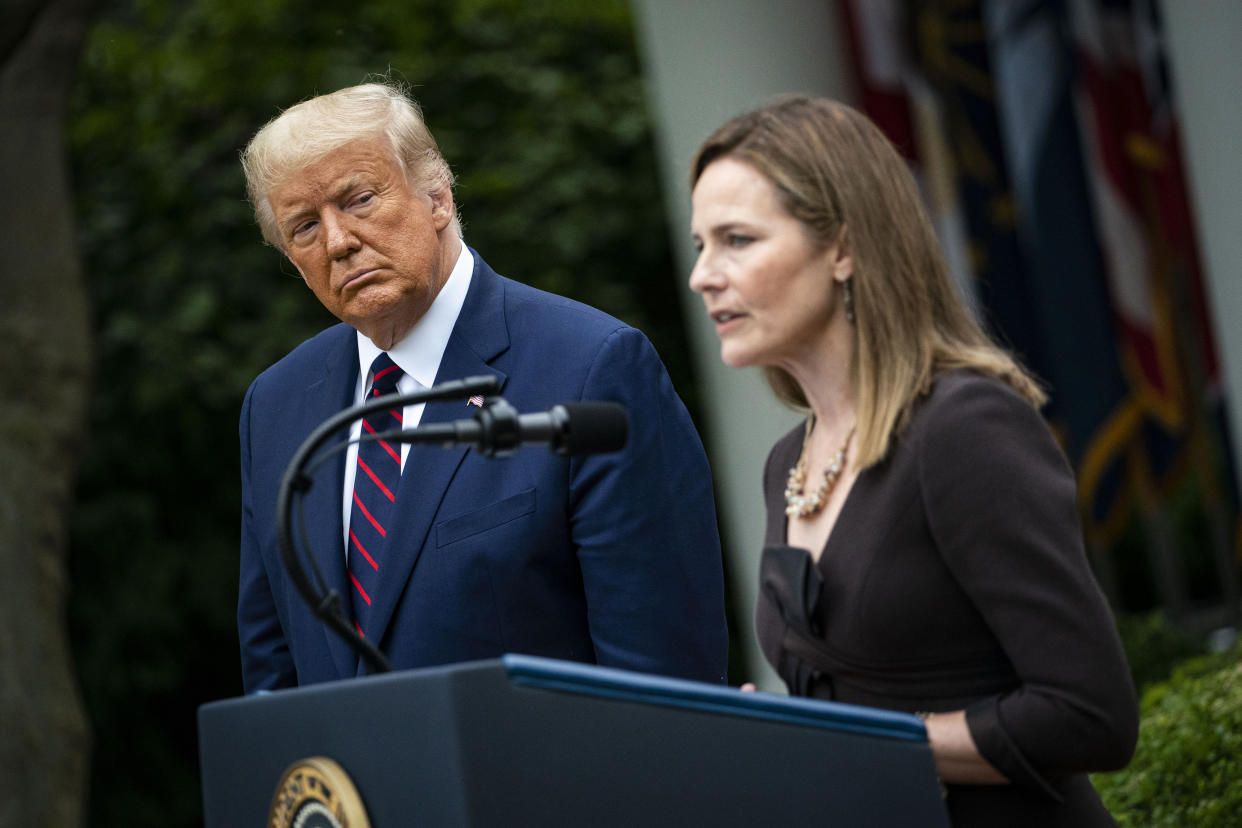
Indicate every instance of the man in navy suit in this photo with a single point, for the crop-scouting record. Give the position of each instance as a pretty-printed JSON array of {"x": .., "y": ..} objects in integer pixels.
[{"x": 611, "y": 559}]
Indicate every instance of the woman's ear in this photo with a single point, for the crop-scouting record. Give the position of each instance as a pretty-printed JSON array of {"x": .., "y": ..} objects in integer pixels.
[{"x": 842, "y": 263}]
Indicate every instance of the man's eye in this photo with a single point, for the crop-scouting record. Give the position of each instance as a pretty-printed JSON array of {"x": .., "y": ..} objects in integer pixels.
[{"x": 302, "y": 229}]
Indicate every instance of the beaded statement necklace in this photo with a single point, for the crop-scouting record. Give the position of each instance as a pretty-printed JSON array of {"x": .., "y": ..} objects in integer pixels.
[{"x": 802, "y": 505}]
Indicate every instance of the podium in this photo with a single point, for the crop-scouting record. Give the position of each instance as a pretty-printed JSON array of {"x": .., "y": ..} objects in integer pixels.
[{"x": 522, "y": 740}]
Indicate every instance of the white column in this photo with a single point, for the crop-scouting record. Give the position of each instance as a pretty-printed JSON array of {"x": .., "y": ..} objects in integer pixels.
[
  {"x": 707, "y": 60},
  {"x": 1207, "y": 83}
]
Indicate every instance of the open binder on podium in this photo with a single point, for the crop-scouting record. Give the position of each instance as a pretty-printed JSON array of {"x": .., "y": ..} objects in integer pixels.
[{"x": 522, "y": 740}]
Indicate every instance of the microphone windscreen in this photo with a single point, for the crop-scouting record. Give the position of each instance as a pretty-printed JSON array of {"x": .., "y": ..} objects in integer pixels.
[{"x": 595, "y": 427}]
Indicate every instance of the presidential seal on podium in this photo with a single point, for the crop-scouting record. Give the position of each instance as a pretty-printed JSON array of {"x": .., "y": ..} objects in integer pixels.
[{"x": 316, "y": 793}]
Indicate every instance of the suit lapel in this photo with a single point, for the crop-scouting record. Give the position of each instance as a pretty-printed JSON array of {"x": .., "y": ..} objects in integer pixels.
[
  {"x": 323, "y": 399},
  {"x": 479, "y": 335}
]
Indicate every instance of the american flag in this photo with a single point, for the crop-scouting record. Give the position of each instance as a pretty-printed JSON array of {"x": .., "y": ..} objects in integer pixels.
[{"x": 477, "y": 399}]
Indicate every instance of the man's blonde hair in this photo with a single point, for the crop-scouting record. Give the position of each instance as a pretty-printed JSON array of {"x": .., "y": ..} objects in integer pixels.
[{"x": 306, "y": 132}]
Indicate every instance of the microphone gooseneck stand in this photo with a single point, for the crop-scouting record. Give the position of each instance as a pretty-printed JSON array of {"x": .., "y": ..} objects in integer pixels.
[{"x": 325, "y": 603}]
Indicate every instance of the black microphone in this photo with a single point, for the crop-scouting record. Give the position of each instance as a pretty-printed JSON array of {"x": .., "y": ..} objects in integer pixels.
[{"x": 497, "y": 429}]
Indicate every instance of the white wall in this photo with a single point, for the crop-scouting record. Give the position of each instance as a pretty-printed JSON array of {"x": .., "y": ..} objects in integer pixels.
[{"x": 707, "y": 60}]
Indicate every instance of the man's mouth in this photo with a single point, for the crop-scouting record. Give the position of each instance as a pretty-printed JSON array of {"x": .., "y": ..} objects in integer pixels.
[{"x": 355, "y": 275}]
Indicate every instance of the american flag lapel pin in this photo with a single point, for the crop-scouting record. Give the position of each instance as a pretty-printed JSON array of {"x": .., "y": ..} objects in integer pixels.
[{"x": 477, "y": 399}]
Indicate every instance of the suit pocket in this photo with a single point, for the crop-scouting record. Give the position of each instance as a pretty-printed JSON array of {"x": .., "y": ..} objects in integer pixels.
[{"x": 485, "y": 518}]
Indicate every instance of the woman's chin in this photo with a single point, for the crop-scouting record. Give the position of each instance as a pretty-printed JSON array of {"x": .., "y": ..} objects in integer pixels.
[{"x": 736, "y": 358}]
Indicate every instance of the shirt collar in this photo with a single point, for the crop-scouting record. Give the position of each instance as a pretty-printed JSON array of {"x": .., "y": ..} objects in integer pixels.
[{"x": 419, "y": 352}]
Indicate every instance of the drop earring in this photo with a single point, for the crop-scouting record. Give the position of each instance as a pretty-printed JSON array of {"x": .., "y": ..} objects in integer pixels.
[{"x": 848, "y": 299}]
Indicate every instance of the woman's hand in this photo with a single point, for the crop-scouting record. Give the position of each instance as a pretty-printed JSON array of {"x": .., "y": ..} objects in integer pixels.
[{"x": 957, "y": 758}]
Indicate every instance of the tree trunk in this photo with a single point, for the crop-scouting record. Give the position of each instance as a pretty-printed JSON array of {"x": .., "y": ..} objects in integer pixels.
[{"x": 44, "y": 359}]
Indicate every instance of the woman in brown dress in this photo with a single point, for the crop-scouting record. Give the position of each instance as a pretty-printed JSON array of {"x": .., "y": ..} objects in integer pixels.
[{"x": 923, "y": 549}]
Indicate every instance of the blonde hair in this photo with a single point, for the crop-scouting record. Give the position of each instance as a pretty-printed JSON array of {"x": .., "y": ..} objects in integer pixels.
[
  {"x": 306, "y": 132},
  {"x": 836, "y": 173}
]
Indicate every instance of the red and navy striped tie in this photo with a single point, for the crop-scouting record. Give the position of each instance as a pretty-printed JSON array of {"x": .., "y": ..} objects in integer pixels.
[{"x": 375, "y": 489}]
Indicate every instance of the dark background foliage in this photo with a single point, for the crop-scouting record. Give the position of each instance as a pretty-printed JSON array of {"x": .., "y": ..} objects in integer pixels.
[{"x": 539, "y": 107}]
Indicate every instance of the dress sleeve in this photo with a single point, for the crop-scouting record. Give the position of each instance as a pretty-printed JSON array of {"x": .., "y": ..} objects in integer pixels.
[
  {"x": 1002, "y": 509},
  {"x": 643, "y": 521}
]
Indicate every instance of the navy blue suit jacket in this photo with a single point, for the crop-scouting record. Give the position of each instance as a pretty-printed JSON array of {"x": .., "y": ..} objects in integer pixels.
[{"x": 611, "y": 559}]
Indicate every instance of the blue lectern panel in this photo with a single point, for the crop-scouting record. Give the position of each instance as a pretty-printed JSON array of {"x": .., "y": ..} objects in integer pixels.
[{"x": 625, "y": 685}]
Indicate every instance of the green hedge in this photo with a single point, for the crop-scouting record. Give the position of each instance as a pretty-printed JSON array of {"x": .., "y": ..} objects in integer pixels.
[
  {"x": 1187, "y": 769},
  {"x": 1155, "y": 647}
]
